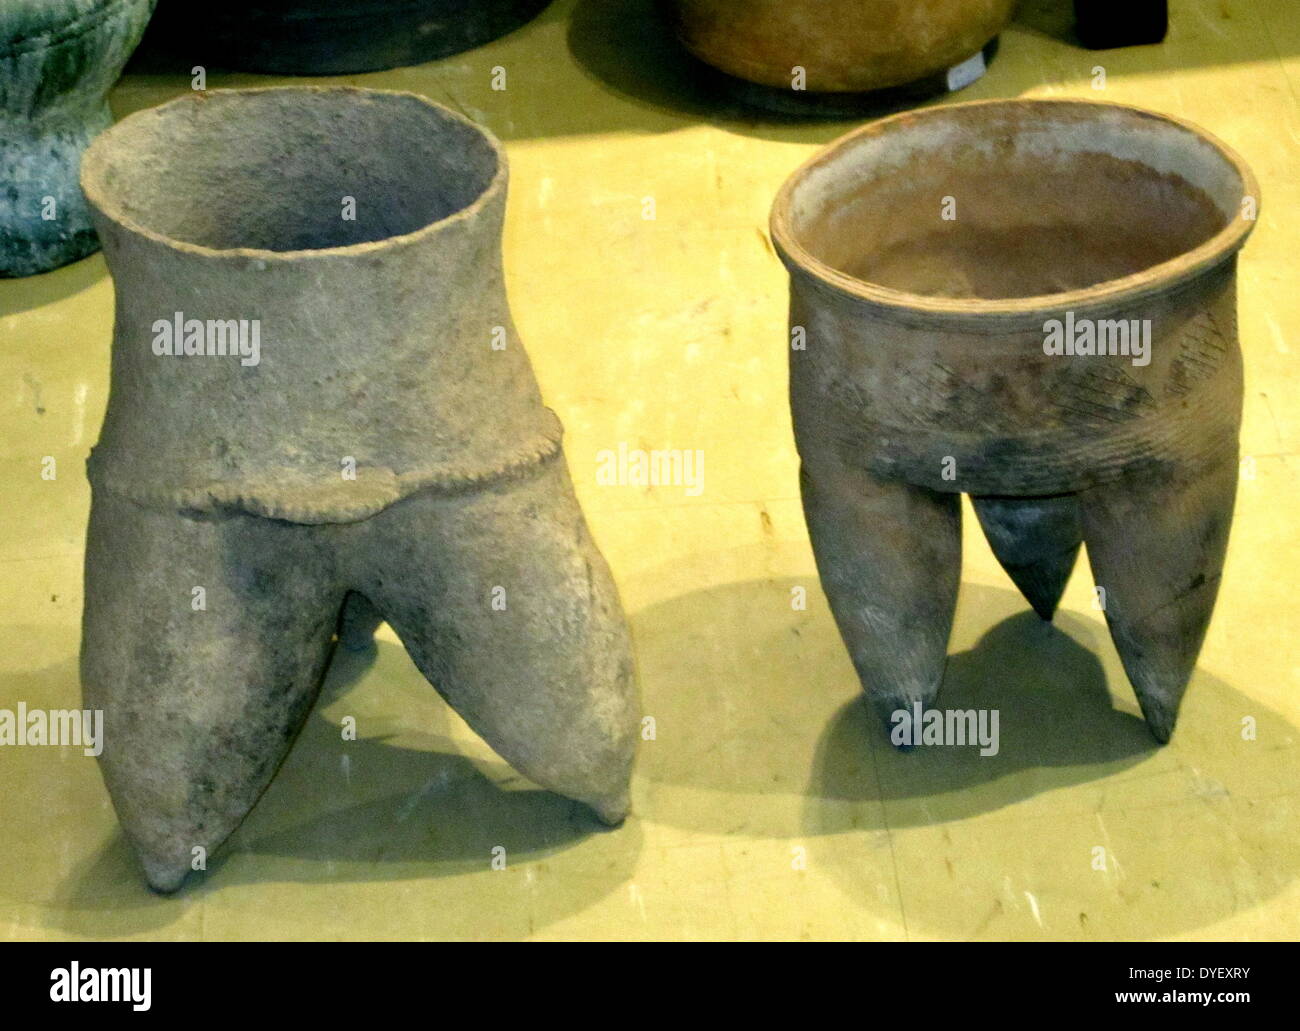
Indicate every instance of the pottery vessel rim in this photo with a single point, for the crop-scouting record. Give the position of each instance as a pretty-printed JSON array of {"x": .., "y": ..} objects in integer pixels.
[
  {"x": 1155, "y": 279},
  {"x": 93, "y": 163}
]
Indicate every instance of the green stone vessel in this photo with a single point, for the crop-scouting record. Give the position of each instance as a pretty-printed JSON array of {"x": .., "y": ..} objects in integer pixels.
[{"x": 58, "y": 59}]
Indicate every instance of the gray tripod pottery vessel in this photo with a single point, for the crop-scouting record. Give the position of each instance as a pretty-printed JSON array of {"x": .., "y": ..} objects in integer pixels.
[
  {"x": 352, "y": 424},
  {"x": 58, "y": 59},
  {"x": 1033, "y": 303}
]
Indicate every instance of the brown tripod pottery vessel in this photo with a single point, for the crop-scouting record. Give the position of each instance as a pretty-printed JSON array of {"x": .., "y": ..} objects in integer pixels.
[{"x": 1031, "y": 302}]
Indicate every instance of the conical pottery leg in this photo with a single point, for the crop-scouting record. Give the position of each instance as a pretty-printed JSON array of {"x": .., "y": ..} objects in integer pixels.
[
  {"x": 1156, "y": 546},
  {"x": 509, "y": 610},
  {"x": 1036, "y": 540},
  {"x": 889, "y": 557},
  {"x": 204, "y": 643}
]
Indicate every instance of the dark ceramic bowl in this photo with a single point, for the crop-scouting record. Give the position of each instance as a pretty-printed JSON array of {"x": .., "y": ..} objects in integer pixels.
[{"x": 327, "y": 37}]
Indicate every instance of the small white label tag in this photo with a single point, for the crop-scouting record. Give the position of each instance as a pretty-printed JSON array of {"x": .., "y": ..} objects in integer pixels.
[{"x": 962, "y": 75}]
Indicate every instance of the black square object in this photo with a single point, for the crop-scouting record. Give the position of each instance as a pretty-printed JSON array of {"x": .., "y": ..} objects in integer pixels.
[{"x": 1102, "y": 24}]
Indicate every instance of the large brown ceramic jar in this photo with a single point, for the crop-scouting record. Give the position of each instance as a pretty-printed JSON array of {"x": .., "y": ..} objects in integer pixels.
[{"x": 841, "y": 46}]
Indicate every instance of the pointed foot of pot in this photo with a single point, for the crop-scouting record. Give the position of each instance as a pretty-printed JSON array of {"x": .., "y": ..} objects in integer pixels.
[
  {"x": 1036, "y": 540},
  {"x": 1157, "y": 547},
  {"x": 506, "y": 606},
  {"x": 614, "y": 810},
  {"x": 204, "y": 641},
  {"x": 165, "y": 874},
  {"x": 889, "y": 557}
]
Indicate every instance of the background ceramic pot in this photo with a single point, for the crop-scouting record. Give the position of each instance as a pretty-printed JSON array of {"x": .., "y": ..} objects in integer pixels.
[
  {"x": 318, "y": 396},
  {"x": 1104, "y": 24},
  {"x": 328, "y": 37},
  {"x": 1031, "y": 302},
  {"x": 842, "y": 46},
  {"x": 58, "y": 59}
]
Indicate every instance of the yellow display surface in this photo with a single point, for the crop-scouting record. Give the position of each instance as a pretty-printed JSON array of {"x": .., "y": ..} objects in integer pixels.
[{"x": 767, "y": 804}]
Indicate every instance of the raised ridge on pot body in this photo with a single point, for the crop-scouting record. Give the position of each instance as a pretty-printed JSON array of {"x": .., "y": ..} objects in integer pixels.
[
  {"x": 405, "y": 300},
  {"x": 58, "y": 60},
  {"x": 377, "y": 450},
  {"x": 948, "y": 270}
]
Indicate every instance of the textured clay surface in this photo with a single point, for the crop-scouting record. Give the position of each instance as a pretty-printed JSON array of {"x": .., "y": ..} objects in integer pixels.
[
  {"x": 386, "y": 456},
  {"x": 1046, "y": 227}
]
